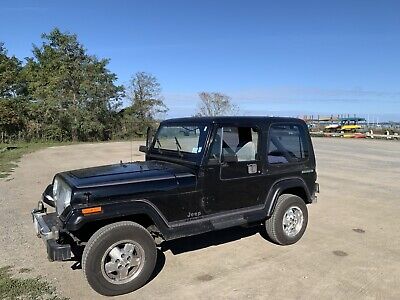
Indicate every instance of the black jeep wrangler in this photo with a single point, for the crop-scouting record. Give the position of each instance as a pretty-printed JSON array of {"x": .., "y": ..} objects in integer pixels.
[{"x": 199, "y": 175}]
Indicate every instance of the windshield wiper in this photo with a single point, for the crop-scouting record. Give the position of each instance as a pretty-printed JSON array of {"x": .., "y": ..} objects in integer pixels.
[
  {"x": 158, "y": 142},
  {"x": 159, "y": 146},
  {"x": 178, "y": 147}
]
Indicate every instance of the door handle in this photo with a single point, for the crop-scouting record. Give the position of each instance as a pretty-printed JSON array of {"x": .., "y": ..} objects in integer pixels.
[{"x": 252, "y": 168}]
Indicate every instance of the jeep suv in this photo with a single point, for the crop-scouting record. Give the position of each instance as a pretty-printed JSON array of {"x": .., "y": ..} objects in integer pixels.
[{"x": 199, "y": 175}]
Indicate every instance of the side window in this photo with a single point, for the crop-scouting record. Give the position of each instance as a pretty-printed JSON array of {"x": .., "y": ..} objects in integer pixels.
[
  {"x": 239, "y": 143},
  {"x": 286, "y": 144}
]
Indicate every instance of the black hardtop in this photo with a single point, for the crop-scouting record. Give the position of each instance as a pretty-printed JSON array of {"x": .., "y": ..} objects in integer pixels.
[{"x": 232, "y": 119}]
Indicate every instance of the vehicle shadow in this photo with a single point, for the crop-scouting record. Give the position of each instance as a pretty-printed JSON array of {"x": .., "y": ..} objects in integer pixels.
[
  {"x": 208, "y": 239},
  {"x": 159, "y": 265}
]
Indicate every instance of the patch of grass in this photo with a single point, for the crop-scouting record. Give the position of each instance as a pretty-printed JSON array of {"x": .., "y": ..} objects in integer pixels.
[
  {"x": 10, "y": 154},
  {"x": 25, "y": 288}
]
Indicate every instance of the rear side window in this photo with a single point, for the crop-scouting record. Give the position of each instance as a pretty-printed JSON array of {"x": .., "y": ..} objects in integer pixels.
[{"x": 287, "y": 143}]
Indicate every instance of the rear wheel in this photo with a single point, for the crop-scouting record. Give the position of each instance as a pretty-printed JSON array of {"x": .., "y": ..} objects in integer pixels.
[
  {"x": 288, "y": 221},
  {"x": 119, "y": 258}
]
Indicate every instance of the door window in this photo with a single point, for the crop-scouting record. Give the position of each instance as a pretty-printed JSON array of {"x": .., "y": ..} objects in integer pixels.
[
  {"x": 287, "y": 144},
  {"x": 235, "y": 144}
]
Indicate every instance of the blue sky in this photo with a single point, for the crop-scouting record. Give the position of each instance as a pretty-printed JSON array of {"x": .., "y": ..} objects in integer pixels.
[{"x": 271, "y": 57}]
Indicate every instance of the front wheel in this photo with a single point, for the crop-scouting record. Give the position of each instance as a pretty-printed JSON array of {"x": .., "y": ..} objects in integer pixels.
[
  {"x": 119, "y": 258},
  {"x": 288, "y": 221}
]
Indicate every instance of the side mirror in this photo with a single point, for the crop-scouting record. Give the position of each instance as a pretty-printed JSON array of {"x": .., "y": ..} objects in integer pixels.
[{"x": 143, "y": 148}]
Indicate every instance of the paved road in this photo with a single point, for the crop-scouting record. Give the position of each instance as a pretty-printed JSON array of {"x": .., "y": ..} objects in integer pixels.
[{"x": 350, "y": 250}]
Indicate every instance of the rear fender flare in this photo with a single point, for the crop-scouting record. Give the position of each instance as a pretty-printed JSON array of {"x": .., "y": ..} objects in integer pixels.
[{"x": 279, "y": 187}]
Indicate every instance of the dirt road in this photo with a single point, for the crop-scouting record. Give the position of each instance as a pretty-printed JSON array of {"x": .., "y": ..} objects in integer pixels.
[{"x": 350, "y": 250}]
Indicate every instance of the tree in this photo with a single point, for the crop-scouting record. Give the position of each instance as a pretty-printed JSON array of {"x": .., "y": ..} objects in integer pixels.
[
  {"x": 11, "y": 116},
  {"x": 12, "y": 92},
  {"x": 215, "y": 104},
  {"x": 63, "y": 93},
  {"x": 147, "y": 103},
  {"x": 11, "y": 82},
  {"x": 75, "y": 94}
]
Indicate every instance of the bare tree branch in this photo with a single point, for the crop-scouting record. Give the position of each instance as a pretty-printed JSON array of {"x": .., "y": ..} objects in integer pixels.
[{"x": 215, "y": 104}]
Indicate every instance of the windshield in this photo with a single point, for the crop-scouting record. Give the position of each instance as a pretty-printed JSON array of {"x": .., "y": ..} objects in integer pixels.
[{"x": 185, "y": 141}]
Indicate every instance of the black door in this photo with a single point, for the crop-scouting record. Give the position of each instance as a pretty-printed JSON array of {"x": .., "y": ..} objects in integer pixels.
[{"x": 234, "y": 176}]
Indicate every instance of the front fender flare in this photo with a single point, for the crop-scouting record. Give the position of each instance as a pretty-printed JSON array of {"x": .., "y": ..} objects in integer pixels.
[{"x": 118, "y": 210}]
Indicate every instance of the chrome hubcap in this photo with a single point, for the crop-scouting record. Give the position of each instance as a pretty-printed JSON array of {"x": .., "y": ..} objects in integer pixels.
[
  {"x": 122, "y": 262},
  {"x": 292, "y": 221}
]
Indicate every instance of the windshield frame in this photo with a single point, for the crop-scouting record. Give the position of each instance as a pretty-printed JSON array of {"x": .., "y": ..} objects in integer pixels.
[{"x": 194, "y": 158}]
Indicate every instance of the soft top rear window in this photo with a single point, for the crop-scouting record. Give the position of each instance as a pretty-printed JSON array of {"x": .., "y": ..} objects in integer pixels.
[{"x": 287, "y": 143}]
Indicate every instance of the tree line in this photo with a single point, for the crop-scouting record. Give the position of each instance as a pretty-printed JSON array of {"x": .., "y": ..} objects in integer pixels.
[{"x": 62, "y": 93}]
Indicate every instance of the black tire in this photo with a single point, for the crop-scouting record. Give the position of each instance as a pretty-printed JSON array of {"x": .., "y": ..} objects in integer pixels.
[
  {"x": 97, "y": 247},
  {"x": 274, "y": 225}
]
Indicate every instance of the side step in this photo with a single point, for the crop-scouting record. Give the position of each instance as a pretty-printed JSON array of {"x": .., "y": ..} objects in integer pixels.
[{"x": 228, "y": 222}]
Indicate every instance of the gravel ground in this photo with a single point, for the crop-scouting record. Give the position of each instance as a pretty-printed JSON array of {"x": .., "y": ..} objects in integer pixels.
[{"x": 351, "y": 248}]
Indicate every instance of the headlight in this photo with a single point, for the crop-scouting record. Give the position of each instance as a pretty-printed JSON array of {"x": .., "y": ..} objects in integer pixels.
[{"x": 61, "y": 194}]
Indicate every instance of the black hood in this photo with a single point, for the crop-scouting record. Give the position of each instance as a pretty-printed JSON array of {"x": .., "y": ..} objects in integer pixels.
[{"x": 124, "y": 173}]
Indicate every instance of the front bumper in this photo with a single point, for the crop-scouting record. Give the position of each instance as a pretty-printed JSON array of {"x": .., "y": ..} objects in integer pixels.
[{"x": 47, "y": 228}]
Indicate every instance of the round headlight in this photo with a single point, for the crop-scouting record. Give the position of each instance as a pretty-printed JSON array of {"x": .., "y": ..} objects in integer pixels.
[
  {"x": 67, "y": 196},
  {"x": 55, "y": 188},
  {"x": 62, "y": 194}
]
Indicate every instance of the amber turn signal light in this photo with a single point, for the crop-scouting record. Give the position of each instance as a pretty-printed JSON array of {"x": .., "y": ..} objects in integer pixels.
[{"x": 91, "y": 210}]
